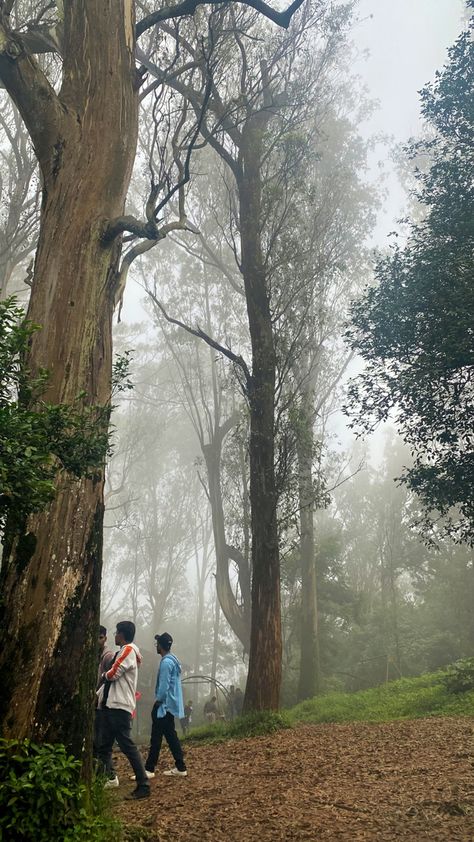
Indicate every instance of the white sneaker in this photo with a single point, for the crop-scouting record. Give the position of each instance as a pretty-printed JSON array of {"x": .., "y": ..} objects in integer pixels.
[
  {"x": 175, "y": 773},
  {"x": 111, "y": 783},
  {"x": 148, "y": 774}
]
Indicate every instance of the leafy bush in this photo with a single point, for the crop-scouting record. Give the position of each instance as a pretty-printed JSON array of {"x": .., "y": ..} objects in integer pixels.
[
  {"x": 255, "y": 724},
  {"x": 42, "y": 797},
  {"x": 459, "y": 677}
]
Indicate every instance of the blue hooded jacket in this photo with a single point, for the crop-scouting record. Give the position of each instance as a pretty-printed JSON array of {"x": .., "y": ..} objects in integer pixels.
[{"x": 168, "y": 692}]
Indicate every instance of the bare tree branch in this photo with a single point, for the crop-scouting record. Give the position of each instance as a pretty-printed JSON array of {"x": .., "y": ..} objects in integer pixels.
[
  {"x": 188, "y": 7},
  {"x": 235, "y": 358}
]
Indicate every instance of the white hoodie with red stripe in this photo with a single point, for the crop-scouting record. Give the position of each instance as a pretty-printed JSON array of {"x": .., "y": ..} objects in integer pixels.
[{"x": 123, "y": 675}]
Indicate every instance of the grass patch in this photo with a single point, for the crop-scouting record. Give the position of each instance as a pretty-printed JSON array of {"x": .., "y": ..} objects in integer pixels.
[
  {"x": 408, "y": 698},
  {"x": 250, "y": 725}
]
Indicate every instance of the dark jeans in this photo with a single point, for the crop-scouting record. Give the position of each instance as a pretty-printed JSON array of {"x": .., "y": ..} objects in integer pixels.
[
  {"x": 116, "y": 725},
  {"x": 163, "y": 726},
  {"x": 99, "y": 719}
]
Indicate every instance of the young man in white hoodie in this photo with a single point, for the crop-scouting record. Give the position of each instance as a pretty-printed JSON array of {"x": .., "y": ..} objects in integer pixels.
[{"x": 116, "y": 697}]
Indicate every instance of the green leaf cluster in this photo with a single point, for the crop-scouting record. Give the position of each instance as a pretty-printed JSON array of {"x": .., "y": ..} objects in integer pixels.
[
  {"x": 459, "y": 676},
  {"x": 42, "y": 797},
  {"x": 39, "y": 440}
]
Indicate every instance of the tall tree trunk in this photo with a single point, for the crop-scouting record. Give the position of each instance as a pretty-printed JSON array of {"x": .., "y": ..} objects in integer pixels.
[
  {"x": 308, "y": 684},
  {"x": 215, "y": 639},
  {"x": 264, "y": 676},
  {"x": 51, "y": 571}
]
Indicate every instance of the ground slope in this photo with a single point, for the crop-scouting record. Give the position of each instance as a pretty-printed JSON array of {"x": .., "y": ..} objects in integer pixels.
[{"x": 408, "y": 780}]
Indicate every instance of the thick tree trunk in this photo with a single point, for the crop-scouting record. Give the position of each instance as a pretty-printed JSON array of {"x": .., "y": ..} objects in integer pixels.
[
  {"x": 51, "y": 572},
  {"x": 308, "y": 684},
  {"x": 264, "y": 676}
]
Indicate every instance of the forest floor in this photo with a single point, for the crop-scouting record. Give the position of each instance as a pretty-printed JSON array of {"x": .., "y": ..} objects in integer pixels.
[{"x": 409, "y": 780}]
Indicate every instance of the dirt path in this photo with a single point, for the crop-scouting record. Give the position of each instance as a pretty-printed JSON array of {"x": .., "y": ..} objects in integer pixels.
[{"x": 411, "y": 780}]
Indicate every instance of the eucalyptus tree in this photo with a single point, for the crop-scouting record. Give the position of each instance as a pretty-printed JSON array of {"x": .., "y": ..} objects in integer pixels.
[
  {"x": 321, "y": 266},
  {"x": 84, "y": 135},
  {"x": 209, "y": 396},
  {"x": 254, "y": 108}
]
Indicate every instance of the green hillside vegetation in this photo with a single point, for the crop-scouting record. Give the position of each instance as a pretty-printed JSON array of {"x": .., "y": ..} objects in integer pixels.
[
  {"x": 407, "y": 698},
  {"x": 434, "y": 694}
]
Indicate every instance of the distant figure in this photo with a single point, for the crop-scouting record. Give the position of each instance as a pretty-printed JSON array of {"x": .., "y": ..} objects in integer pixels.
[
  {"x": 231, "y": 702},
  {"x": 168, "y": 704},
  {"x": 106, "y": 657},
  {"x": 238, "y": 701},
  {"x": 187, "y": 718},
  {"x": 116, "y": 697},
  {"x": 211, "y": 710}
]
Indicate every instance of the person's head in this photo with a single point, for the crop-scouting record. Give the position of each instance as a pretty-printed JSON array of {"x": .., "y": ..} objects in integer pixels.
[
  {"x": 214, "y": 699},
  {"x": 163, "y": 643},
  {"x": 102, "y": 637},
  {"x": 125, "y": 632},
  {"x": 190, "y": 703}
]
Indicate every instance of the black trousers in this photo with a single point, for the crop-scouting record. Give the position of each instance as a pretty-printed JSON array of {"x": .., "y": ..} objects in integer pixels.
[
  {"x": 117, "y": 725},
  {"x": 163, "y": 726}
]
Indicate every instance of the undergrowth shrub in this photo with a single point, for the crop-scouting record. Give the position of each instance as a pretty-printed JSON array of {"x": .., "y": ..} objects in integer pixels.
[
  {"x": 43, "y": 799},
  {"x": 254, "y": 724},
  {"x": 459, "y": 677}
]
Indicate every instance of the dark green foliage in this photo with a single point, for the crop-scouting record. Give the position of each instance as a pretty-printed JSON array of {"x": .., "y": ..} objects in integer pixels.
[
  {"x": 37, "y": 439},
  {"x": 43, "y": 799},
  {"x": 416, "y": 329},
  {"x": 459, "y": 677}
]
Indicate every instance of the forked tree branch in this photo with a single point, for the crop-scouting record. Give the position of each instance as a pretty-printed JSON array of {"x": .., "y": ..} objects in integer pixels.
[
  {"x": 188, "y": 7},
  {"x": 32, "y": 94}
]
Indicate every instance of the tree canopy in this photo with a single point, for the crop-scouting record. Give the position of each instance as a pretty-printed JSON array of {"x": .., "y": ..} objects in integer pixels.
[{"x": 415, "y": 330}]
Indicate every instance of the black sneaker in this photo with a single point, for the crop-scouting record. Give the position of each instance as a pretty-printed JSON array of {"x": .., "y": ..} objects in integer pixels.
[{"x": 139, "y": 792}]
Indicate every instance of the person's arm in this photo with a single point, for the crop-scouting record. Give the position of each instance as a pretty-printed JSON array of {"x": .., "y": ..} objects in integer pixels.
[
  {"x": 125, "y": 660},
  {"x": 163, "y": 681}
]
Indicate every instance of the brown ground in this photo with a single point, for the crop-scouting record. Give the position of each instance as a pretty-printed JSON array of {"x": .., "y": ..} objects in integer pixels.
[{"x": 410, "y": 780}]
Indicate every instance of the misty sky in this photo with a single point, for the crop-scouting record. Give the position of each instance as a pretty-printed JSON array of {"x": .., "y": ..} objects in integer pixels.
[{"x": 406, "y": 42}]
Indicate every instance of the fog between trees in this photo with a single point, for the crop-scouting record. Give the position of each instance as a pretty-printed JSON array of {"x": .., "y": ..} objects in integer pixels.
[{"x": 235, "y": 517}]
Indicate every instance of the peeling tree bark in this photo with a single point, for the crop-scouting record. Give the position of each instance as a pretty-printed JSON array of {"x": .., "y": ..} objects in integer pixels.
[{"x": 85, "y": 140}]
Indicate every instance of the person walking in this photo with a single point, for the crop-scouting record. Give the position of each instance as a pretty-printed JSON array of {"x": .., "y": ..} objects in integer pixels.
[
  {"x": 116, "y": 697},
  {"x": 188, "y": 717},
  {"x": 211, "y": 711},
  {"x": 168, "y": 704}
]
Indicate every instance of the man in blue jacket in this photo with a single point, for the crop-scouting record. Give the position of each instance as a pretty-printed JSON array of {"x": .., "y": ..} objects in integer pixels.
[{"x": 168, "y": 704}]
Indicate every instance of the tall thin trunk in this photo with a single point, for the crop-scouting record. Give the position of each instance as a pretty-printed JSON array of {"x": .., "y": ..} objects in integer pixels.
[
  {"x": 215, "y": 639},
  {"x": 308, "y": 684},
  {"x": 51, "y": 570},
  {"x": 264, "y": 676}
]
